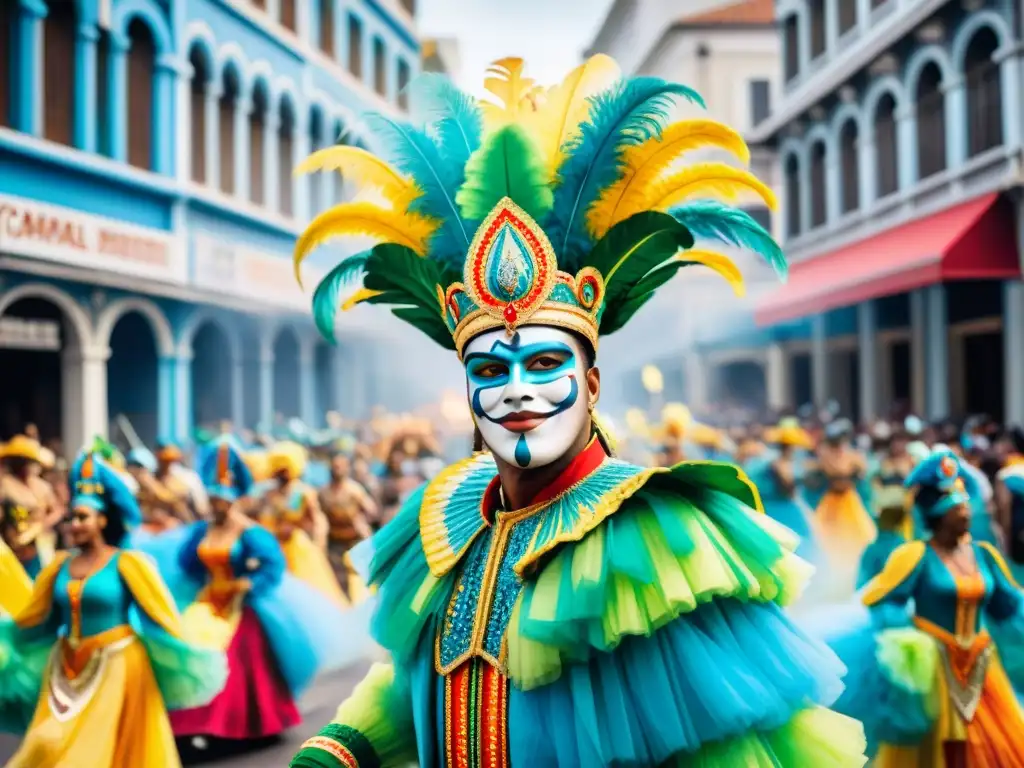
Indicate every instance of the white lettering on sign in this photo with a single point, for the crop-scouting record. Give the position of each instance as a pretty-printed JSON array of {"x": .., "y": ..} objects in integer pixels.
[{"x": 50, "y": 232}]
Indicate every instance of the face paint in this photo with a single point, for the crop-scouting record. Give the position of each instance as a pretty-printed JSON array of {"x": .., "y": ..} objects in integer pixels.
[{"x": 528, "y": 393}]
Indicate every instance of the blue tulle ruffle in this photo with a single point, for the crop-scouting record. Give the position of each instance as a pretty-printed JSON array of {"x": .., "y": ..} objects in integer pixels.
[{"x": 723, "y": 670}]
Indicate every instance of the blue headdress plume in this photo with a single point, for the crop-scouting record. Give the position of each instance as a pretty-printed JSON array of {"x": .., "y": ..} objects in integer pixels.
[
  {"x": 223, "y": 469},
  {"x": 98, "y": 486},
  {"x": 939, "y": 480}
]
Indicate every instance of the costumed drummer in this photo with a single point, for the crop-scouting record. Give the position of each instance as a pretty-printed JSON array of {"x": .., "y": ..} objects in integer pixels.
[{"x": 544, "y": 603}]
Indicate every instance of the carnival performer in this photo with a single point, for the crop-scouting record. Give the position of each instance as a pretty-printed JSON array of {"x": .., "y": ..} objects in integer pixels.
[
  {"x": 290, "y": 510},
  {"x": 842, "y": 526},
  {"x": 98, "y": 650},
  {"x": 277, "y": 632},
  {"x": 778, "y": 477},
  {"x": 180, "y": 482},
  {"x": 894, "y": 522},
  {"x": 348, "y": 508},
  {"x": 544, "y": 603},
  {"x": 932, "y": 686},
  {"x": 675, "y": 421},
  {"x": 162, "y": 509},
  {"x": 30, "y": 521}
]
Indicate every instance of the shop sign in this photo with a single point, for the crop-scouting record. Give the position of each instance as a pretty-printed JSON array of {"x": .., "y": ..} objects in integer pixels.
[{"x": 63, "y": 235}]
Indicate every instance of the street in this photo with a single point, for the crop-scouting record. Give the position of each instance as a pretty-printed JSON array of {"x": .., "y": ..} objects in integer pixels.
[{"x": 318, "y": 706}]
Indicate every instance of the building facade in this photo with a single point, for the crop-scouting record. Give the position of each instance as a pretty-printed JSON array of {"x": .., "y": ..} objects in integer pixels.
[
  {"x": 148, "y": 207},
  {"x": 899, "y": 138},
  {"x": 729, "y": 51}
]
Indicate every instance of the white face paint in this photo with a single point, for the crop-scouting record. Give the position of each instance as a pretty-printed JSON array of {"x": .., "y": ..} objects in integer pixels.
[{"x": 528, "y": 393}]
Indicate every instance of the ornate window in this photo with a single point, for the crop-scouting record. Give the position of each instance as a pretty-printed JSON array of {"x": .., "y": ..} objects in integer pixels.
[
  {"x": 380, "y": 69},
  {"x": 886, "y": 147},
  {"x": 791, "y": 38},
  {"x": 931, "y": 122},
  {"x": 816, "y": 12},
  {"x": 257, "y": 141},
  {"x": 984, "y": 93},
  {"x": 226, "y": 130},
  {"x": 819, "y": 190},
  {"x": 848, "y": 146},
  {"x": 355, "y": 46},
  {"x": 847, "y": 16},
  {"x": 792, "y": 174},
  {"x": 141, "y": 72},
  {"x": 327, "y": 27},
  {"x": 403, "y": 83},
  {"x": 58, "y": 71},
  {"x": 289, "y": 18},
  {"x": 197, "y": 119},
  {"x": 286, "y": 158}
]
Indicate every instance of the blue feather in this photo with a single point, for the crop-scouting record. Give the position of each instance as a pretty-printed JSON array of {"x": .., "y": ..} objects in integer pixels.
[
  {"x": 452, "y": 116},
  {"x": 626, "y": 114},
  {"x": 327, "y": 296},
  {"x": 415, "y": 154},
  {"x": 712, "y": 220}
]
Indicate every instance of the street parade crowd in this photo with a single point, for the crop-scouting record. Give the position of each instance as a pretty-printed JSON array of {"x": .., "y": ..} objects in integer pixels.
[{"x": 795, "y": 593}]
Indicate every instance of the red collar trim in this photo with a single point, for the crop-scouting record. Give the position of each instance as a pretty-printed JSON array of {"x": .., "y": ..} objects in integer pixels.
[{"x": 581, "y": 467}]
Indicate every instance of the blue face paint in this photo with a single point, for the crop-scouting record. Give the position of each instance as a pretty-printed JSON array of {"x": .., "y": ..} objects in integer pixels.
[{"x": 522, "y": 452}]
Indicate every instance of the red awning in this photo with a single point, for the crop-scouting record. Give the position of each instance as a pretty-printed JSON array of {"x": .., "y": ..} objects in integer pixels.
[{"x": 972, "y": 241}]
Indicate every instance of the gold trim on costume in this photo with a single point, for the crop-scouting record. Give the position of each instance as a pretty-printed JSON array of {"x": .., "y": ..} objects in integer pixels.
[{"x": 551, "y": 313}]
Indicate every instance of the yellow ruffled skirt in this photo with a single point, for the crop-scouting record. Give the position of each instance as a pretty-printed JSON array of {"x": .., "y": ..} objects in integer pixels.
[
  {"x": 843, "y": 529},
  {"x": 308, "y": 563},
  {"x": 110, "y": 716}
]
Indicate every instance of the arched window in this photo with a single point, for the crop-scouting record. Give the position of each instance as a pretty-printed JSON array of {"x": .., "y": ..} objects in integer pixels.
[
  {"x": 261, "y": 4},
  {"x": 226, "y": 130},
  {"x": 984, "y": 93},
  {"x": 141, "y": 70},
  {"x": 102, "y": 93},
  {"x": 819, "y": 192},
  {"x": 197, "y": 118},
  {"x": 327, "y": 27},
  {"x": 848, "y": 146},
  {"x": 257, "y": 138},
  {"x": 7, "y": 14},
  {"x": 315, "y": 180},
  {"x": 58, "y": 71},
  {"x": 285, "y": 158},
  {"x": 355, "y": 47},
  {"x": 380, "y": 73},
  {"x": 403, "y": 83},
  {"x": 792, "y": 173},
  {"x": 931, "y": 122},
  {"x": 289, "y": 18},
  {"x": 816, "y": 13},
  {"x": 886, "y": 147}
]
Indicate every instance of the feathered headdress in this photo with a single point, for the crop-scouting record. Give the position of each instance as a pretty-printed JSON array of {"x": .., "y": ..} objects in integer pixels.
[
  {"x": 566, "y": 206},
  {"x": 223, "y": 469},
  {"x": 100, "y": 487},
  {"x": 939, "y": 482}
]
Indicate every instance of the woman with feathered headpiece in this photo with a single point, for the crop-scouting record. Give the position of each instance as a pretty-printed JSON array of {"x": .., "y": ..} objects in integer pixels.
[
  {"x": 99, "y": 648},
  {"x": 544, "y": 603}
]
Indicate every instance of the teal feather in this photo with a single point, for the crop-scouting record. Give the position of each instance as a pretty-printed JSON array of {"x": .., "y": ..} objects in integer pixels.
[
  {"x": 627, "y": 114},
  {"x": 712, "y": 220},
  {"x": 643, "y": 291},
  {"x": 327, "y": 296},
  {"x": 453, "y": 116},
  {"x": 412, "y": 152},
  {"x": 507, "y": 165}
]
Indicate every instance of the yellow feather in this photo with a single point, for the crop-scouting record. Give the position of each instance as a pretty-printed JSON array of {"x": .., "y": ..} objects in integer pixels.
[
  {"x": 358, "y": 298},
  {"x": 366, "y": 169},
  {"x": 716, "y": 180},
  {"x": 566, "y": 105},
  {"x": 408, "y": 229},
  {"x": 721, "y": 264},
  {"x": 517, "y": 94},
  {"x": 645, "y": 163}
]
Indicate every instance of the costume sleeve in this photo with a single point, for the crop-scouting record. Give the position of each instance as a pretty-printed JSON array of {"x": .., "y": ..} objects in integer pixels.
[
  {"x": 1005, "y": 615},
  {"x": 38, "y": 619},
  {"x": 264, "y": 560},
  {"x": 188, "y": 555},
  {"x": 888, "y": 593},
  {"x": 372, "y": 729},
  {"x": 17, "y": 586}
]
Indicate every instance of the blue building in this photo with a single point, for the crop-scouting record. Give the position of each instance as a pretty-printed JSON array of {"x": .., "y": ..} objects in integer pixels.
[
  {"x": 148, "y": 207},
  {"x": 899, "y": 139}
]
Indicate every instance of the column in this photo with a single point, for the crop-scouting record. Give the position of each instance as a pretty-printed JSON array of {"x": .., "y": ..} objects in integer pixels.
[
  {"x": 308, "y": 407},
  {"x": 183, "y": 396},
  {"x": 28, "y": 63},
  {"x": 819, "y": 361},
  {"x": 84, "y": 395},
  {"x": 867, "y": 350},
  {"x": 86, "y": 39},
  {"x": 956, "y": 126},
  {"x": 1013, "y": 339},
  {"x": 918, "y": 323},
  {"x": 936, "y": 353},
  {"x": 238, "y": 392},
  {"x": 906, "y": 143},
  {"x": 242, "y": 108},
  {"x": 867, "y": 175},
  {"x": 164, "y": 80},
  {"x": 274, "y": 9},
  {"x": 117, "y": 96},
  {"x": 777, "y": 377},
  {"x": 211, "y": 103},
  {"x": 266, "y": 386},
  {"x": 270, "y": 172},
  {"x": 166, "y": 398}
]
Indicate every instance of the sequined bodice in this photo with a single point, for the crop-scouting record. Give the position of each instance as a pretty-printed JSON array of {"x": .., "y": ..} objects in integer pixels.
[
  {"x": 217, "y": 561},
  {"x": 953, "y": 602},
  {"x": 92, "y": 605}
]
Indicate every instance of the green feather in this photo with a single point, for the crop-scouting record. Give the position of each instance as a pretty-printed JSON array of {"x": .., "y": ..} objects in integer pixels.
[
  {"x": 507, "y": 165},
  {"x": 429, "y": 322},
  {"x": 634, "y": 247},
  {"x": 408, "y": 283},
  {"x": 615, "y": 317}
]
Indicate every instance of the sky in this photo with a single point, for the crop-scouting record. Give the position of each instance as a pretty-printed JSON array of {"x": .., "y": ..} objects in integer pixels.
[{"x": 550, "y": 35}]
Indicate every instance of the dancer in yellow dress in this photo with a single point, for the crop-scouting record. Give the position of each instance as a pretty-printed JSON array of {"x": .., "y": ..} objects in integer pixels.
[
  {"x": 98, "y": 646},
  {"x": 291, "y": 510}
]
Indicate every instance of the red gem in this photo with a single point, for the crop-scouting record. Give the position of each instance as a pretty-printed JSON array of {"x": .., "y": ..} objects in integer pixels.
[{"x": 510, "y": 314}]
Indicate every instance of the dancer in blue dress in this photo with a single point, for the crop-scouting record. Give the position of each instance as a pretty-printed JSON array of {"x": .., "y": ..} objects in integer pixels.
[{"x": 779, "y": 476}]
